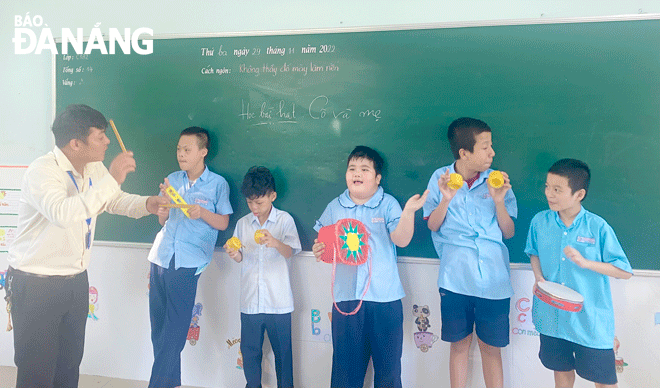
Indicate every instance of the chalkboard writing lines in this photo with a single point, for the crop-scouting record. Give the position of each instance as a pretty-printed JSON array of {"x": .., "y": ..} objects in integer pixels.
[
  {"x": 208, "y": 52},
  {"x": 281, "y": 112},
  {"x": 273, "y": 69},
  {"x": 318, "y": 109},
  {"x": 210, "y": 70},
  {"x": 274, "y": 50}
]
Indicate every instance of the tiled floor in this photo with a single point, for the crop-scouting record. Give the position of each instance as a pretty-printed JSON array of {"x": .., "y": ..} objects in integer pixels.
[{"x": 8, "y": 380}]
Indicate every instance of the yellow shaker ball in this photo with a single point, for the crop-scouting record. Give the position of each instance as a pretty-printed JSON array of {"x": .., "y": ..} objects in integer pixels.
[
  {"x": 496, "y": 179},
  {"x": 234, "y": 243},
  {"x": 258, "y": 234},
  {"x": 455, "y": 181}
]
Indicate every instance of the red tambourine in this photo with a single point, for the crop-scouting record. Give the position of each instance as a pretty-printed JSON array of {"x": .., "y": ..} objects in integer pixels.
[
  {"x": 346, "y": 242},
  {"x": 559, "y": 296}
]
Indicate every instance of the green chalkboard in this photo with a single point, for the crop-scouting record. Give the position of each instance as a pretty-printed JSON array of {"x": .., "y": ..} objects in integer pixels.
[{"x": 299, "y": 103}]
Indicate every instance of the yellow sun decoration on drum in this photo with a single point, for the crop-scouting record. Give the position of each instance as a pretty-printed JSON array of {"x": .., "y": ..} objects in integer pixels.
[{"x": 352, "y": 242}]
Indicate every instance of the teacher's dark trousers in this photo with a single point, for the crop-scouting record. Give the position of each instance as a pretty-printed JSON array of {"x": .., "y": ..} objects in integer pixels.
[
  {"x": 49, "y": 315},
  {"x": 171, "y": 300},
  {"x": 374, "y": 332}
]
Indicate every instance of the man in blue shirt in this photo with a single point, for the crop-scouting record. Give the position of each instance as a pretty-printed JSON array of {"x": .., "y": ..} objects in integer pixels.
[
  {"x": 576, "y": 248},
  {"x": 181, "y": 251},
  {"x": 467, "y": 226},
  {"x": 375, "y": 331}
]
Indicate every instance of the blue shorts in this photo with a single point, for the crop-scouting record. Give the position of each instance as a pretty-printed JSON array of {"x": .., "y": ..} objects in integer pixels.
[
  {"x": 461, "y": 313},
  {"x": 591, "y": 364}
]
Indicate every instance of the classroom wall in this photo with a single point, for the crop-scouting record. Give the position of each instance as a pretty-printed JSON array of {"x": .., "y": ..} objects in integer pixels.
[
  {"x": 119, "y": 273},
  {"x": 118, "y": 343}
]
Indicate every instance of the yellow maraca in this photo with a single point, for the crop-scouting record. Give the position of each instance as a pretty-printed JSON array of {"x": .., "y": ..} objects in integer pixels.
[
  {"x": 496, "y": 179},
  {"x": 234, "y": 243},
  {"x": 258, "y": 234},
  {"x": 455, "y": 181}
]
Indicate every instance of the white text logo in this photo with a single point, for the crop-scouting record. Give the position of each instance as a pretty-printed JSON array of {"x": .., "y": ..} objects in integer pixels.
[{"x": 26, "y": 40}]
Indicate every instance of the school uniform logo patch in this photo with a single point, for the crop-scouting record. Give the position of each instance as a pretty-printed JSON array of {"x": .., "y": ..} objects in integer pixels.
[
  {"x": 202, "y": 201},
  {"x": 377, "y": 220},
  {"x": 588, "y": 240}
]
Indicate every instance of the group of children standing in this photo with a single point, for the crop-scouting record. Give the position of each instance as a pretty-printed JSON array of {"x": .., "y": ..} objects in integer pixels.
[{"x": 566, "y": 244}]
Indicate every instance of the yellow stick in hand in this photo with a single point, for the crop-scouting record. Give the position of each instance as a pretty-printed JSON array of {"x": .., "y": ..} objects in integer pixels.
[
  {"x": 121, "y": 143},
  {"x": 176, "y": 205}
]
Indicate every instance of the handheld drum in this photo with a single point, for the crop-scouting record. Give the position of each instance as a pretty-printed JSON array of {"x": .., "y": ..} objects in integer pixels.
[
  {"x": 346, "y": 242},
  {"x": 559, "y": 296}
]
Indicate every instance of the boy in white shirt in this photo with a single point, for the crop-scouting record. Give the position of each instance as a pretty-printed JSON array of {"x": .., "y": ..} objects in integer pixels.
[{"x": 266, "y": 297}]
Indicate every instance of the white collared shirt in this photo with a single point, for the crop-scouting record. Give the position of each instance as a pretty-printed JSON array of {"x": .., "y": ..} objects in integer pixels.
[
  {"x": 52, "y": 214},
  {"x": 265, "y": 285}
]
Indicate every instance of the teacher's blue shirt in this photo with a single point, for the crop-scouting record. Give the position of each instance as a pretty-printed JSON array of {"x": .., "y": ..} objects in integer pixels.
[
  {"x": 473, "y": 259},
  {"x": 191, "y": 241},
  {"x": 380, "y": 215},
  {"x": 594, "y": 238}
]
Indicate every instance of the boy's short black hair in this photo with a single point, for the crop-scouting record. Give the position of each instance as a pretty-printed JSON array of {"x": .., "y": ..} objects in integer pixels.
[
  {"x": 576, "y": 171},
  {"x": 258, "y": 182},
  {"x": 75, "y": 122},
  {"x": 201, "y": 134},
  {"x": 462, "y": 133},
  {"x": 364, "y": 152}
]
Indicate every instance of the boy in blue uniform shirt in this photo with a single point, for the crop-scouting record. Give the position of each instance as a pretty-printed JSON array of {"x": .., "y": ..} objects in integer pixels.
[
  {"x": 266, "y": 297},
  {"x": 576, "y": 248},
  {"x": 376, "y": 330},
  {"x": 467, "y": 226},
  {"x": 181, "y": 251}
]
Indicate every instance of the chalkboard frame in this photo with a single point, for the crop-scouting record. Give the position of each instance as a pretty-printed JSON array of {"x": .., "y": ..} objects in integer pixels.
[{"x": 521, "y": 229}]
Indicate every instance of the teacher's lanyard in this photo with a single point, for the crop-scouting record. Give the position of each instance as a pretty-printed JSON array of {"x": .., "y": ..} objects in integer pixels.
[{"x": 88, "y": 235}]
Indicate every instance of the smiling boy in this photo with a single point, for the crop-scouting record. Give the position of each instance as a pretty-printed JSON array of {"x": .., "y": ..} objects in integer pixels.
[
  {"x": 569, "y": 245},
  {"x": 375, "y": 331}
]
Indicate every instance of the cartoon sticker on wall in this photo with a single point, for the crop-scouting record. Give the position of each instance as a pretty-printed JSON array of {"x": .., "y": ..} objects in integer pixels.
[
  {"x": 239, "y": 360},
  {"x": 424, "y": 339},
  {"x": 193, "y": 331},
  {"x": 93, "y": 299},
  {"x": 320, "y": 331},
  {"x": 521, "y": 319},
  {"x": 618, "y": 360}
]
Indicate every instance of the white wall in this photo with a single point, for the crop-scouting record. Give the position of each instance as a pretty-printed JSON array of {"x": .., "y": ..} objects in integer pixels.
[{"x": 118, "y": 343}]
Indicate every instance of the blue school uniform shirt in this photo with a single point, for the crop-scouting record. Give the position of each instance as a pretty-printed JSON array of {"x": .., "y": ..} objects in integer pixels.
[
  {"x": 191, "y": 241},
  {"x": 473, "y": 259},
  {"x": 265, "y": 285},
  {"x": 380, "y": 215},
  {"x": 594, "y": 238}
]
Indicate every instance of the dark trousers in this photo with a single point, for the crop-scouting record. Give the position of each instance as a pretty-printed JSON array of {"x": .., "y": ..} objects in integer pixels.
[
  {"x": 171, "y": 300},
  {"x": 278, "y": 327},
  {"x": 376, "y": 332},
  {"x": 49, "y": 315}
]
